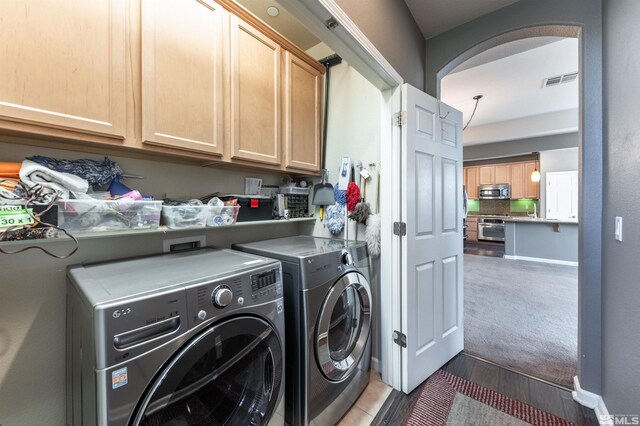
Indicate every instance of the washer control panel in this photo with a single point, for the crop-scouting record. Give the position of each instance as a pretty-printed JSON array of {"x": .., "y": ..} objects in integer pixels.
[{"x": 210, "y": 299}]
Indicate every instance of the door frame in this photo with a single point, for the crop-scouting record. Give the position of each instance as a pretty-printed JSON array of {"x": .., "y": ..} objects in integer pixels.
[{"x": 332, "y": 25}]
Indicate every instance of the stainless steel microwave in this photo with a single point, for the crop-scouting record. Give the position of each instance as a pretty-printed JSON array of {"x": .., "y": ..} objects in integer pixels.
[{"x": 499, "y": 191}]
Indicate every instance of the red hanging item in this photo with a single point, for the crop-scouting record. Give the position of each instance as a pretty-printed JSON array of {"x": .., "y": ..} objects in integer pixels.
[{"x": 353, "y": 196}]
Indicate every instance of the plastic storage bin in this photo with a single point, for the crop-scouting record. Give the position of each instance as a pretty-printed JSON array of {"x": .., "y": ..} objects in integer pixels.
[
  {"x": 108, "y": 215},
  {"x": 254, "y": 207},
  {"x": 222, "y": 215},
  {"x": 177, "y": 217}
]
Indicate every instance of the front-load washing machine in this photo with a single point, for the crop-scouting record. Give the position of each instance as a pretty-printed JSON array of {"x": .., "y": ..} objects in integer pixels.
[
  {"x": 192, "y": 338},
  {"x": 328, "y": 319}
]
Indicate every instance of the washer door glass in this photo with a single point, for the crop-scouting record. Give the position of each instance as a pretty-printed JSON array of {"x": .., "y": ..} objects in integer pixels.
[
  {"x": 343, "y": 326},
  {"x": 230, "y": 373}
]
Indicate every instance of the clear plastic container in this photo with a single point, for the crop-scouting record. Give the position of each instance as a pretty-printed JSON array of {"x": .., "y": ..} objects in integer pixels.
[
  {"x": 108, "y": 215},
  {"x": 222, "y": 215},
  {"x": 177, "y": 217}
]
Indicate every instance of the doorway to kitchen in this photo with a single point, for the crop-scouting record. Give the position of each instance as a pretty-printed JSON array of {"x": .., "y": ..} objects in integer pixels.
[{"x": 521, "y": 106}]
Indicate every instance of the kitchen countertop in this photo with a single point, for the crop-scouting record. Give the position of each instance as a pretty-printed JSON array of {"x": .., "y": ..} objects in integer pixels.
[{"x": 526, "y": 219}]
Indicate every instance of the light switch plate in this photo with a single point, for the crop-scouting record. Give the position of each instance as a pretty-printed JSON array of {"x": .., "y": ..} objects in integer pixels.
[{"x": 618, "y": 228}]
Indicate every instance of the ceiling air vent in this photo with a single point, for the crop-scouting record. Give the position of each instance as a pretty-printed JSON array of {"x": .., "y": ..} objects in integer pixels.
[{"x": 560, "y": 79}]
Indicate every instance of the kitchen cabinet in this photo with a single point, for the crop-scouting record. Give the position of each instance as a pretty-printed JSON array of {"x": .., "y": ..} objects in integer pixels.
[
  {"x": 471, "y": 178},
  {"x": 486, "y": 175},
  {"x": 502, "y": 173},
  {"x": 472, "y": 228},
  {"x": 302, "y": 121},
  {"x": 517, "y": 180},
  {"x": 532, "y": 189},
  {"x": 182, "y": 82},
  {"x": 255, "y": 95},
  {"x": 63, "y": 70}
]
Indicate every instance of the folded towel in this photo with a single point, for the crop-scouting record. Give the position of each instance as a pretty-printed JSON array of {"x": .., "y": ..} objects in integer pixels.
[
  {"x": 32, "y": 173},
  {"x": 10, "y": 170}
]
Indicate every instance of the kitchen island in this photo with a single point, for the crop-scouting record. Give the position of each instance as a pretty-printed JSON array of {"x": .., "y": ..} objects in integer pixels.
[{"x": 541, "y": 240}]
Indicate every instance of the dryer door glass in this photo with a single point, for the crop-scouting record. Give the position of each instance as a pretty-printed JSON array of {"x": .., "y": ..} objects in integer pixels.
[
  {"x": 230, "y": 373},
  {"x": 343, "y": 326}
]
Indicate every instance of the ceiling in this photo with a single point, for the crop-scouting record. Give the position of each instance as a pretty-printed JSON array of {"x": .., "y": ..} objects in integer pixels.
[
  {"x": 284, "y": 23},
  {"x": 514, "y": 103},
  {"x": 437, "y": 16}
]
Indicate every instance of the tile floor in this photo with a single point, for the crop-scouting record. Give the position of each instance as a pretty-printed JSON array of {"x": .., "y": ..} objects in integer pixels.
[{"x": 369, "y": 403}]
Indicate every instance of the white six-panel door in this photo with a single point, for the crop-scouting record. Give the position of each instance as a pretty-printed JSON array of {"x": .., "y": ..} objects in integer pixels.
[
  {"x": 432, "y": 281},
  {"x": 562, "y": 195}
]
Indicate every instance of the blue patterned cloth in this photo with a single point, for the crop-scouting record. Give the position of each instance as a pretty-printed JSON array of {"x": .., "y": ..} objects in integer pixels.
[
  {"x": 335, "y": 218},
  {"x": 340, "y": 195},
  {"x": 97, "y": 173}
]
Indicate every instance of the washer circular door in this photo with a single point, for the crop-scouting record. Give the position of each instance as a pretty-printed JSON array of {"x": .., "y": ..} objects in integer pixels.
[
  {"x": 230, "y": 373},
  {"x": 343, "y": 326}
]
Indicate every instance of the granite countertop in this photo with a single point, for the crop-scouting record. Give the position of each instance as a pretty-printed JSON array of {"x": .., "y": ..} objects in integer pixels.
[
  {"x": 538, "y": 220},
  {"x": 523, "y": 218}
]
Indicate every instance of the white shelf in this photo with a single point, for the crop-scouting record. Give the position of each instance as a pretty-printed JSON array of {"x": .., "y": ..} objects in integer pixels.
[{"x": 164, "y": 230}]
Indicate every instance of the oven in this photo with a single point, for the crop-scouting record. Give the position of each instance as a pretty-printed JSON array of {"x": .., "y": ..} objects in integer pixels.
[{"x": 491, "y": 229}]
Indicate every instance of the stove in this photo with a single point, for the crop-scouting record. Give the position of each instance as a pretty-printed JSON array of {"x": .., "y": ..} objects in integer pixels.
[{"x": 491, "y": 228}]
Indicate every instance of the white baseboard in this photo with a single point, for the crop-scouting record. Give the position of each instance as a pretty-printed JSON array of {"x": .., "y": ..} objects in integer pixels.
[
  {"x": 541, "y": 260},
  {"x": 591, "y": 400}
]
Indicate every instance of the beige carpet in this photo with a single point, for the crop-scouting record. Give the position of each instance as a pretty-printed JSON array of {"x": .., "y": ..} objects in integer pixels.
[{"x": 522, "y": 315}]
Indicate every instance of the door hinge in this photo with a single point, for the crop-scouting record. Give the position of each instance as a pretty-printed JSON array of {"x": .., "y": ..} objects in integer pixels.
[
  {"x": 399, "y": 229},
  {"x": 400, "y": 338},
  {"x": 400, "y": 118}
]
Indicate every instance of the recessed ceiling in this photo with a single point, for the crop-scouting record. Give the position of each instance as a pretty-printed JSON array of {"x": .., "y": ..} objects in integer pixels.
[
  {"x": 437, "y": 16},
  {"x": 284, "y": 22},
  {"x": 513, "y": 92}
]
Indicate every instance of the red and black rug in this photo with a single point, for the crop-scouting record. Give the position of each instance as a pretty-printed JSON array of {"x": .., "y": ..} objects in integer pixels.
[{"x": 449, "y": 400}]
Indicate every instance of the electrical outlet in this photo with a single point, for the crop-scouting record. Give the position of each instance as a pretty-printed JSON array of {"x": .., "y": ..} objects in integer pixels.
[{"x": 618, "y": 228}]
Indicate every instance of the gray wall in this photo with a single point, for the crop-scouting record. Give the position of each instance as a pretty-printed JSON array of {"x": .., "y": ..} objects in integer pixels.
[
  {"x": 569, "y": 18},
  {"x": 388, "y": 24},
  {"x": 621, "y": 269},
  {"x": 519, "y": 146}
]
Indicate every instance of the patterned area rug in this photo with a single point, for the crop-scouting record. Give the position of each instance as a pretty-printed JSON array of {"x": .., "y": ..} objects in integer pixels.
[{"x": 448, "y": 400}]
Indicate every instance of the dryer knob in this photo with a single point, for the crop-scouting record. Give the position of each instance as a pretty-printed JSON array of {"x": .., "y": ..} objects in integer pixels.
[
  {"x": 347, "y": 259},
  {"x": 222, "y": 296}
]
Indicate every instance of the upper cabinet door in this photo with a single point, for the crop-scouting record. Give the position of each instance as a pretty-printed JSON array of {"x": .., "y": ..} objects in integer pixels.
[
  {"x": 532, "y": 189},
  {"x": 487, "y": 175},
  {"x": 63, "y": 65},
  {"x": 255, "y": 95},
  {"x": 517, "y": 180},
  {"x": 182, "y": 75},
  {"x": 471, "y": 179},
  {"x": 302, "y": 114},
  {"x": 502, "y": 173}
]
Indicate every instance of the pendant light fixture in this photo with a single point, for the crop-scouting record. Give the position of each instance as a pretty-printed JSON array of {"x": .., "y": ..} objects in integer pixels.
[{"x": 535, "y": 175}]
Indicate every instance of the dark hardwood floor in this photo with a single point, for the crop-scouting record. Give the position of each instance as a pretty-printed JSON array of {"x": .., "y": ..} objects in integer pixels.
[
  {"x": 484, "y": 249},
  {"x": 544, "y": 396}
]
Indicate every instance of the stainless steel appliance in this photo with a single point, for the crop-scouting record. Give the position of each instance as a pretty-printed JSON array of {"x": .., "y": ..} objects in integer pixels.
[
  {"x": 184, "y": 338},
  {"x": 328, "y": 340},
  {"x": 499, "y": 191},
  {"x": 491, "y": 229}
]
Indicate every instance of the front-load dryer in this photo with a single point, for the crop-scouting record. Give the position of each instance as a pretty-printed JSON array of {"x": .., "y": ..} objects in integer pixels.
[
  {"x": 328, "y": 310},
  {"x": 192, "y": 338}
]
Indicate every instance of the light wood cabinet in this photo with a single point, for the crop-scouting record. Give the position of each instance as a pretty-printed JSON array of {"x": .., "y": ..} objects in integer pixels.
[
  {"x": 517, "y": 175},
  {"x": 532, "y": 189},
  {"x": 502, "y": 173},
  {"x": 486, "y": 175},
  {"x": 302, "y": 119},
  {"x": 255, "y": 95},
  {"x": 472, "y": 228},
  {"x": 182, "y": 75},
  {"x": 471, "y": 177},
  {"x": 517, "y": 180},
  {"x": 63, "y": 67}
]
